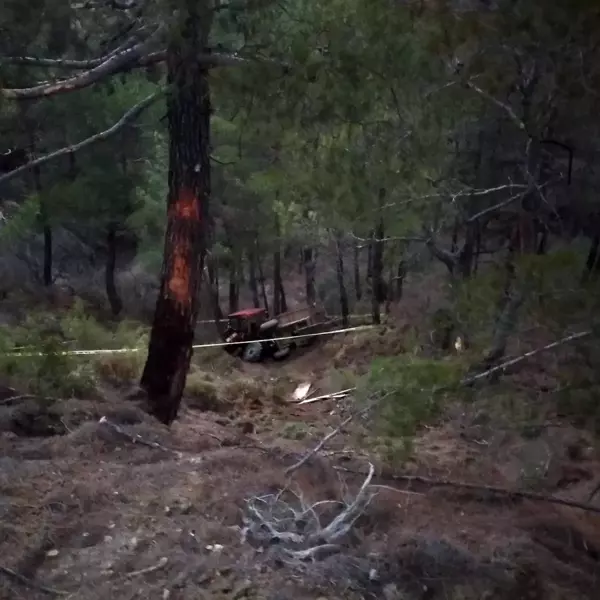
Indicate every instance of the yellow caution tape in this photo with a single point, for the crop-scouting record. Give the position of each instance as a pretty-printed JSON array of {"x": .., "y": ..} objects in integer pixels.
[{"x": 195, "y": 346}]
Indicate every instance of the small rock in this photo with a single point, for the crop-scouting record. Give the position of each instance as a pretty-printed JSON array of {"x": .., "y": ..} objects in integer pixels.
[
  {"x": 53, "y": 552},
  {"x": 166, "y": 594}
]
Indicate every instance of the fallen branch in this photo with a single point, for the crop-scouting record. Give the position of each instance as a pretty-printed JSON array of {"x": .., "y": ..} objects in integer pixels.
[
  {"x": 481, "y": 488},
  {"x": 131, "y": 115},
  {"x": 159, "y": 565},
  {"x": 513, "y": 361},
  {"x": 296, "y": 533},
  {"x": 137, "y": 439},
  {"x": 30, "y": 583}
]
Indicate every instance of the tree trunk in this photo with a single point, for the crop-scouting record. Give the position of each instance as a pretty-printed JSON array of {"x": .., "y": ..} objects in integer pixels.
[
  {"x": 282, "y": 298},
  {"x": 213, "y": 283},
  {"x": 252, "y": 283},
  {"x": 261, "y": 280},
  {"x": 308, "y": 260},
  {"x": 277, "y": 285},
  {"x": 592, "y": 262},
  {"x": 188, "y": 116},
  {"x": 116, "y": 305},
  {"x": 234, "y": 288},
  {"x": 377, "y": 287},
  {"x": 44, "y": 219},
  {"x": 400, "y": 275},
  {"x": 356, "y": 270},
  {"x": 341, "y": 279}
]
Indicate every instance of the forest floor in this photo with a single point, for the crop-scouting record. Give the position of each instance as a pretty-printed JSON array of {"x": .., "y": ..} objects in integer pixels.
[{"x": 124, "y": 508}]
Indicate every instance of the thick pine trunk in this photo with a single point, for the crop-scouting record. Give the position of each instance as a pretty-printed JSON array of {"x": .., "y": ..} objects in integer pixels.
[
  {"x": 188, "y": 114},
  {"x": 116, "y": 305}
]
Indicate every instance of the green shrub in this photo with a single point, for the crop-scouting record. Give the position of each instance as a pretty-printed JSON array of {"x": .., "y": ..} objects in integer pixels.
[
  {"x": 46, "y": 369},
  {"x": 411, "y": 391}
]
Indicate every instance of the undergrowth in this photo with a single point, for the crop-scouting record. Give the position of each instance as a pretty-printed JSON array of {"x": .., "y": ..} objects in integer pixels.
[
  {"x": 44, "y": 366},
  {"x": 411, "y": 391}
]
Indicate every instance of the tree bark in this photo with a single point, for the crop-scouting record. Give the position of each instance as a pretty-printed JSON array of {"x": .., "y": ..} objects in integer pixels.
[
  {"x": 252, "y": 282},
  {"x": 308, "y": 260},
  {"x": 278, "y": 293},
  {"x": 341, "y": 279},
  {"x": 45, "y": 222},
  {"x": 377, "y": 286},
  {"x": 261, "y": 280},
  {"x": 356, "y": 270},
  {"x": 188, "y": 116},
  {"x": 116, "y": 305}
]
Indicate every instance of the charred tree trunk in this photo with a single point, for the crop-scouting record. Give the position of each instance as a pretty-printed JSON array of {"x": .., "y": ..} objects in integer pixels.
[
  {"x": 116, "y": 305},
  {"x": 308, "y": 259},
  {"x": 188, "y": 116},
  {"x": 213, "y": 282},
  {"x": 252, "y": 282},
  {"x": 356, "y": 270},
  {"x": 341, "y": 278}
]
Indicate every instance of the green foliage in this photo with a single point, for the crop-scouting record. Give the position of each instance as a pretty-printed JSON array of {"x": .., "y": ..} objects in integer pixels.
[
  {"x": 411, "y": 392},
  {"x": 46, "y": 368}
]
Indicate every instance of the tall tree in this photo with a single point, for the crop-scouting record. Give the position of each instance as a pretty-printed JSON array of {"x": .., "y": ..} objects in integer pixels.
[{"x": 188, "y": 113}]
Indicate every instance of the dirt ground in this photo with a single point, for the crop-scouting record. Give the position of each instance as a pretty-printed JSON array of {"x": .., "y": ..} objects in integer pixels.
[{"x": 124, "y": 508}]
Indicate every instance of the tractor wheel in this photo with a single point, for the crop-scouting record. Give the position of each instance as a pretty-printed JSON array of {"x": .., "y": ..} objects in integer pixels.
[
  {"x": 253, "y": 352},
  {"x": 282, "y": 353}
]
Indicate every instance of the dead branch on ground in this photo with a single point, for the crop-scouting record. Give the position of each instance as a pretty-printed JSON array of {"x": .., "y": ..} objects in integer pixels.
[
  {"x": 294, "y": 529},
  {"x": 479, "y": 488}
]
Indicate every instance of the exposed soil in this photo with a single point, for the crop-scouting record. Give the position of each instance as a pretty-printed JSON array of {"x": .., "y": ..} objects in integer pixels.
[{"x": 125, "y": 508}]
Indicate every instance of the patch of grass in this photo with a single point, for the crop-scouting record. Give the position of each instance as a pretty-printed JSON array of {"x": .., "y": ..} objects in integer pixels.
[
  {"x": 203, "y": 394},
  {"x": 295, "y": 431}
]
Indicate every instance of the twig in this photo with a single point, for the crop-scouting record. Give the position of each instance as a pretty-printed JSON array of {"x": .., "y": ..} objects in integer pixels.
[
  {"x": 159, "y": 565},
  {"x": 479, "y": 488},
  {"x": 30, "y": 583},
  {"x": 132, "y": 114},
  {"x": 329, "y": 436}
]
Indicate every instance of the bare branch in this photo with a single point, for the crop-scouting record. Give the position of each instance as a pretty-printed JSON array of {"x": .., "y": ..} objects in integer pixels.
[
  {"x": 430, "y": 482},
  {"x": 67, "y": 63},
  {"x": 116, "y": 62},
  {"x": 132, "y": 114},
  {"x": 505, "y": 107}
]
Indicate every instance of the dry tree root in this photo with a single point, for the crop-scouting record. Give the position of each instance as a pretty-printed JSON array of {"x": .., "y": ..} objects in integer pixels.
[{"x": 294, "y": 529}]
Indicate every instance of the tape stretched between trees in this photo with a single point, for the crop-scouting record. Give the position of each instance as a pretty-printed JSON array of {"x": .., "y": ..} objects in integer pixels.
[{"x": 195, "y": 346}]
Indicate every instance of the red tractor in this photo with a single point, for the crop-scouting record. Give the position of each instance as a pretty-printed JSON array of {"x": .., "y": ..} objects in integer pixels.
[{"x": 252, "y": 336}]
